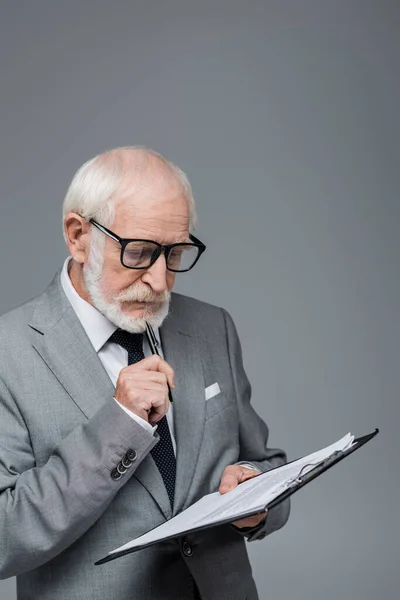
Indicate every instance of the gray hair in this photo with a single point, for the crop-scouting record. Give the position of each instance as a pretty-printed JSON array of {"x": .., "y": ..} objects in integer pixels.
[{"x": 91, "y": 193}]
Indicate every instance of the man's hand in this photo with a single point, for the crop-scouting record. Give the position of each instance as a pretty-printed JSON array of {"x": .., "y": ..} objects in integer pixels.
[
  {"x": 142, "y": 388},
  {"x": 231, "y": 477}
]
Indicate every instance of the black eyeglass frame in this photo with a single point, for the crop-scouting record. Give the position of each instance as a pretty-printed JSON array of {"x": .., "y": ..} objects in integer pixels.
[{"x": 167, "y": 249}]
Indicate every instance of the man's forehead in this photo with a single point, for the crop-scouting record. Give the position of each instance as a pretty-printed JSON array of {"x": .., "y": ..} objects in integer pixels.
[
  {"x": 151, "y": 187},
  {"x": 153, "y": 217},
  {"x": 150, "y": 195},
  {"x": 152, "y": 205}
]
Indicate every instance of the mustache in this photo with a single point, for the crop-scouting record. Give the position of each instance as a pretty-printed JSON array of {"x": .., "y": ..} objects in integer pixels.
[{"x": 142, "y": 293}]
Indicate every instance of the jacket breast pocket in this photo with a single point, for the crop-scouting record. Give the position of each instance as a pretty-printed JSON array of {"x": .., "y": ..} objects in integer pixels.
[{"x": 219, "y": 403}]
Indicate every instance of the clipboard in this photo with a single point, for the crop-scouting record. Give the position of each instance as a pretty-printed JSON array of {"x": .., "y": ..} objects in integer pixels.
[{"x": 293, "y": 486}]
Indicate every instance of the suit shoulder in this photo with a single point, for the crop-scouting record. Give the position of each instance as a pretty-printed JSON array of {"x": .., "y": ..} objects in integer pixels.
[
  {"x": 180, "y": 302},
  {"x": 200, "y": 316},
  {"x": 16, "y": 319},
  {"x": 18, "y": 313}
]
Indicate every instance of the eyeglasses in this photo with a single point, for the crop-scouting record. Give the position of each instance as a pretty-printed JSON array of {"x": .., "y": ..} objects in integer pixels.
[{"x": 141, "y": 254}]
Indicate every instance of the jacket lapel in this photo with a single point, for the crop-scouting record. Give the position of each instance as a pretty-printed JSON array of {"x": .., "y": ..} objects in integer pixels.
[
  {"x": 58, "y": 336},
  {"x": 181, "y": 351}
]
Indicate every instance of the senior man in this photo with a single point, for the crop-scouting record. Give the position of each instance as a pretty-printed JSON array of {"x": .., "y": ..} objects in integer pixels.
[{"x": 92, "y": 454}]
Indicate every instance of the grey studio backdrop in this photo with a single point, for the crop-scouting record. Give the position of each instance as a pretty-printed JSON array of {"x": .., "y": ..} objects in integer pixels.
[{"x": 285, "y": 115}]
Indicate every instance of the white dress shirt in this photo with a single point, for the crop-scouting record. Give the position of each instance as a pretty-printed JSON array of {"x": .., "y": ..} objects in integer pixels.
[{"x": 114, "y": 358}]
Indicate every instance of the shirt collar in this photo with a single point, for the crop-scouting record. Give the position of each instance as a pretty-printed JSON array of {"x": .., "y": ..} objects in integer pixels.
[{"x": 97, "y": 327}]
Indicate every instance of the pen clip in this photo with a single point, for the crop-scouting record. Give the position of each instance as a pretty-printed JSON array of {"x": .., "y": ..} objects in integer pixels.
[{"x": 153, "y": 343}]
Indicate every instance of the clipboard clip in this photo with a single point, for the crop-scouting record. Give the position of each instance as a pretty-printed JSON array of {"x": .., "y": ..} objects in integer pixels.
[{"x": 318, "y": 467}]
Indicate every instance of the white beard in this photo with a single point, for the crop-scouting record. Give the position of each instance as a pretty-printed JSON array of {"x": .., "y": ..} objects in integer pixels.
[{"x": 137, "y": 292}]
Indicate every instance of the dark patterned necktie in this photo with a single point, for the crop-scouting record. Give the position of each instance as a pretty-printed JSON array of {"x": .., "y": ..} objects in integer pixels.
[{"x": 163, "y": 452}]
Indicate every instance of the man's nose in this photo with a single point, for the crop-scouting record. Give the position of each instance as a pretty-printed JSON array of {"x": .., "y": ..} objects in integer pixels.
[{"x": 156, "y": 275}]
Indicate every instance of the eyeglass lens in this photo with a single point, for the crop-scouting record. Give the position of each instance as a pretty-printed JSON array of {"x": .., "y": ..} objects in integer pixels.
[{"x": 140, "y": 254}]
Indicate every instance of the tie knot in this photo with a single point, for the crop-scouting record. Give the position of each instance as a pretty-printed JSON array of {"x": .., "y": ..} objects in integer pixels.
[{"x": 132, "y": 342}]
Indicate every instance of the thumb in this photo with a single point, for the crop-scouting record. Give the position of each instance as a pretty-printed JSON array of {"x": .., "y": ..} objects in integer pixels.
[{"x": 228, "y": 482}]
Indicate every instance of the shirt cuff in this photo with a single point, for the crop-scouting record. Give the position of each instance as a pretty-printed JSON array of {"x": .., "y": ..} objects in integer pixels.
[
  {"x": 249, "y": 466},
  {"x": 148, "y": 426}
]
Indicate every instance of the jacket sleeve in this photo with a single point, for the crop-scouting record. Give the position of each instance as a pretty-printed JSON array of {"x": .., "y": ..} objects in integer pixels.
[
  {"x": 253, "y": 435},
  {"x": 44, "y": 510}
]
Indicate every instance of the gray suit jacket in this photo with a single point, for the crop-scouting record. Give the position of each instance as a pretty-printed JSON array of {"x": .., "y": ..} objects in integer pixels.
[{"x": 62, "y": 434}]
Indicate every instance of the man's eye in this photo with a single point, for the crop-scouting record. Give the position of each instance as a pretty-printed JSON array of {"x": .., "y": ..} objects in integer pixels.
[
  {"x": 138, "y": 254},
  {"x": 176, "y": 252},
  {"x": 135, "y": 254}
]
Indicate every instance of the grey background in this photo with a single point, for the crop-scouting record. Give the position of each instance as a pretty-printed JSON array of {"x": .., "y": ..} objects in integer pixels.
[{"x": 285, "y": 115}]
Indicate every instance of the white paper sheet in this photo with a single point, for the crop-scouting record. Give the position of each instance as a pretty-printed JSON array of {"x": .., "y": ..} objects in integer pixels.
[{"x": 250, "y": 496}]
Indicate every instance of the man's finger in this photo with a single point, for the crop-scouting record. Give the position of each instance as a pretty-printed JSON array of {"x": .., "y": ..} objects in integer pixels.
[
  {"x": 156, "y": 363},
  {"x": 251, "y": 521},
  {"x": 246, "y": 473},
  {"x": 146, "y": 376},
  {"x": 233, "y": 475}
]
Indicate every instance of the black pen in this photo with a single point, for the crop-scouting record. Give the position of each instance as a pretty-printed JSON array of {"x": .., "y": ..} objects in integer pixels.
[{"x": 151, "y": 338}]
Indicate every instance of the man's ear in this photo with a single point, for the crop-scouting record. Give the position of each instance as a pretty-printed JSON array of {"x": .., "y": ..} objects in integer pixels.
[{"x": 77, "y": 233}]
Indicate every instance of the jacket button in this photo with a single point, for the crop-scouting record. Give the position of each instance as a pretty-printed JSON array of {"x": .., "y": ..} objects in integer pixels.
[
  {"x": 187, "y": 549},
  {"x": 120, "y": 468},
  {"x": 131, "y": 455},
  {"x": 115, "y": 475},
  {"x": 125, "y": 462}
]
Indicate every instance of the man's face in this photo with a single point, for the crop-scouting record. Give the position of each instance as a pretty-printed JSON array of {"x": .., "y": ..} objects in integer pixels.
[{"x": 157, "y": 210}]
